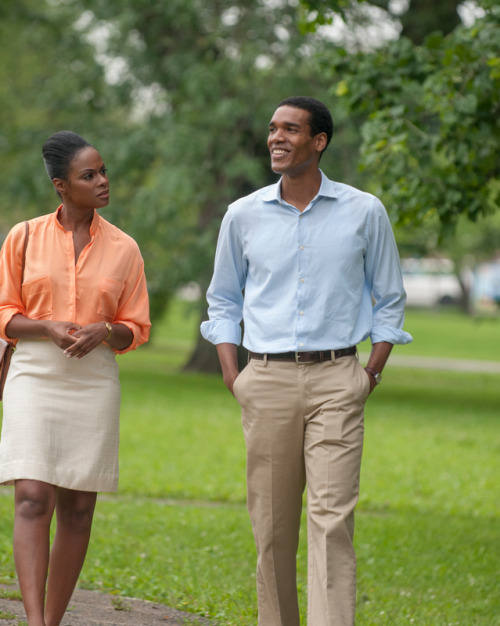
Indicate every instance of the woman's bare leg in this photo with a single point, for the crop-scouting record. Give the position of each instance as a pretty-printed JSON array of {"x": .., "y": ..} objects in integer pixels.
[
  {"x": 34, "y": 508},
  {"x": 74, "y": 513}
]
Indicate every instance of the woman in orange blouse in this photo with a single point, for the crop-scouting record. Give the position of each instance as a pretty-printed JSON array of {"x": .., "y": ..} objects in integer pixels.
[{"x": 82, "y": 299}]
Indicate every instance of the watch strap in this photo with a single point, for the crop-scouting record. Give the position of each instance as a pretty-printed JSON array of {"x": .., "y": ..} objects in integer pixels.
[{"x": 376, "y": 375}]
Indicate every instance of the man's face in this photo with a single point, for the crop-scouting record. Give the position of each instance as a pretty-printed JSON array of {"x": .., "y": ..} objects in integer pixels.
[{"x": 293, "y": 150}]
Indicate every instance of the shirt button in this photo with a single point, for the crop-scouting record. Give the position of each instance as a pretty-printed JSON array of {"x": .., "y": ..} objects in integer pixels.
[
  {"x": 301, "y": 247},
  {"x": 301, "y": 344},
  {"x": 301, "y": 280},
  {"x": 301, "y": 313}
]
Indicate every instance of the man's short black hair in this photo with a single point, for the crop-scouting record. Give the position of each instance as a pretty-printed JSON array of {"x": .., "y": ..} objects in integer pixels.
[{"x": 320, "y": 119}]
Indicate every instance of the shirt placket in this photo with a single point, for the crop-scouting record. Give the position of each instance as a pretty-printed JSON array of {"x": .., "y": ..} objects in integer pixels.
[
  {"x": 70, "y": 263},
  {"x": 301, "y": 281},
  {"x": 79, "y": 268}
]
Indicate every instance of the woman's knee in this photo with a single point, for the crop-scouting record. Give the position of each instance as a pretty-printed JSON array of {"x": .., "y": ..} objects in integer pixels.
[
  {"x": 75, "y": 510},
  {"x": 34, "y": 499}
]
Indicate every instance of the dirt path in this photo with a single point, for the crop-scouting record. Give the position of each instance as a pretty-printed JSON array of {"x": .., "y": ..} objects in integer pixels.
[{"x": 88, "y": 608}]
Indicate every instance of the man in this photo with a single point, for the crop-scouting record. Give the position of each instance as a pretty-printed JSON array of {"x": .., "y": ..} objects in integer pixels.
[{"x": 319, "y": 268}]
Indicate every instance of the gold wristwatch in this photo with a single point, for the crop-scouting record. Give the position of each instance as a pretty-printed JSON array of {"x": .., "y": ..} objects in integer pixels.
[{"x": 109, "y": 328}]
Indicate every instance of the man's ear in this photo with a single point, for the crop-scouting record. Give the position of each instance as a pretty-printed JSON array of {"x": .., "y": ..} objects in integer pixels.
[
  {"x": 321, "y": 141},
  {"x": 59, "y": 185}
]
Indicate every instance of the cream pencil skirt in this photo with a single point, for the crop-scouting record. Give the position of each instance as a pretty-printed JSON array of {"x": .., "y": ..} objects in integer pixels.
[{"x": 61, "y": 418}]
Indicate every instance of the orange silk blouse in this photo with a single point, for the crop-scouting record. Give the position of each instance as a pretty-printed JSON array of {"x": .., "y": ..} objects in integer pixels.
[{"x": 106, "y": 284}]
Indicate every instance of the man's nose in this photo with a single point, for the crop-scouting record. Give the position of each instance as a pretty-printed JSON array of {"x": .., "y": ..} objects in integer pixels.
[{"x": 279, "y": 135}]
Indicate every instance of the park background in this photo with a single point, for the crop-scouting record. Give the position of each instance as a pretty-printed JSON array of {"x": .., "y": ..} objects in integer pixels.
[{"x": 177, "y": 96}]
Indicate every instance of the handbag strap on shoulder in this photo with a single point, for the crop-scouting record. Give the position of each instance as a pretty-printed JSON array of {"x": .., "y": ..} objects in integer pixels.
[{"x": 24, "y": 249}]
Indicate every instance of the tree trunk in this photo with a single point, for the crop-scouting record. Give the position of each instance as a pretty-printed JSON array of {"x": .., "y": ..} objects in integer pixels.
[{"x": 204, "y": 357}]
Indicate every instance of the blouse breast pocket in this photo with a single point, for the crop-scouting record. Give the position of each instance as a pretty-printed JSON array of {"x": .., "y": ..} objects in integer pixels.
[
  {"x": 37, "y": 297},
  {"x": 110, "y": 292}
]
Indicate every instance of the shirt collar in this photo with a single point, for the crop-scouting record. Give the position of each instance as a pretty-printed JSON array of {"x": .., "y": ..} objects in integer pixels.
[
  {"x": 93, "y": 226},
  {"x": 327, "y": 189}
]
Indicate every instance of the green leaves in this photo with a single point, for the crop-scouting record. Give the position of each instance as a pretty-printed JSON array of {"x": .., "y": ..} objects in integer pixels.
[{"x": 431, "y": 134}]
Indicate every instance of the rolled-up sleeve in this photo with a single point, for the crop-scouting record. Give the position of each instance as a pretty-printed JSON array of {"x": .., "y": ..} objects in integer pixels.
[
  {"x": 11, "y": 256},
  {"x": 133, "y": 309},
  {"x": 383, "y": 273},
  {"x": 225, "y": 293}
]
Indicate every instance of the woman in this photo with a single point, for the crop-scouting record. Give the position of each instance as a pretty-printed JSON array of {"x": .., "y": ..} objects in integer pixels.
[{"x": 82, "y": 299}]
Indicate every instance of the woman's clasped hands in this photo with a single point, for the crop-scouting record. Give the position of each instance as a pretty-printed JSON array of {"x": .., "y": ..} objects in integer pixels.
[{"x": 75, "y": 340}]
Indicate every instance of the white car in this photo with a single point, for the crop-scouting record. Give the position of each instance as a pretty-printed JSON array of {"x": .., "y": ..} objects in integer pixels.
[{"x": 430, "y": 282}]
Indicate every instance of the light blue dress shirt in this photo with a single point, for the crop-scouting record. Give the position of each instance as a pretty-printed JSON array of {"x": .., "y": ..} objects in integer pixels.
[{"x": 323, "y": 279}]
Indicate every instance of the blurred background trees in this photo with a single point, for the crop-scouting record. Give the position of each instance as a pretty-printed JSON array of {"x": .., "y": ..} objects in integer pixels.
[{"x": 177, "y": 95}]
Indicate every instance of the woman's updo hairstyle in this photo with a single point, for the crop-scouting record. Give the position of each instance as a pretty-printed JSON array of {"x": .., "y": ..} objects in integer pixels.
[{"x": 58, "y": 152}]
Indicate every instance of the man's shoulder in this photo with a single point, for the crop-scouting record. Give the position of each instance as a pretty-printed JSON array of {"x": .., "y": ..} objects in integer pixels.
[
  {"x": 354, "y": 199},
  {"x": 348, "y": 191},
  {"x": 253, "y": 199}
]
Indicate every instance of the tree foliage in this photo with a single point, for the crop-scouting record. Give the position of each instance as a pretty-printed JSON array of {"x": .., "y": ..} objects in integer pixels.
[
  {"x": 423, "y": 17},
  {"x": 417, "y": 19},
  {"x": 49, "y": 80},
  {"x": 431, "y": 127}
]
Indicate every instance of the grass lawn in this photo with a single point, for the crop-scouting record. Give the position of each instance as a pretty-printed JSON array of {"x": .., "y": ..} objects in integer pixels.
[
  {"x": 427, "y": 524},
  {"x": 448, "y": 333}
]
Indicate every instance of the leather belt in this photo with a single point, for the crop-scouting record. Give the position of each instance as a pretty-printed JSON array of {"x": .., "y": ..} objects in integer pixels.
[{"x": 305, "y": 357}]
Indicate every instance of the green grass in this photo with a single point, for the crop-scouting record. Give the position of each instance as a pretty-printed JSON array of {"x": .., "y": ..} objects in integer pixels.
[
  {"x": 427, "y": 523},
  {"x": 448, "y": 333}
]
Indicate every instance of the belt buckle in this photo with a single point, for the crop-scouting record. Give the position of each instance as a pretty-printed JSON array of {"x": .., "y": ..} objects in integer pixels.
[{"x": 299, "y": 361}]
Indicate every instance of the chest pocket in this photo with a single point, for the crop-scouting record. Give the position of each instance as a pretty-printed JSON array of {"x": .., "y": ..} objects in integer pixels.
[
  {"x": 37, "y": 298},
  {"x": 110, "y": 292}
]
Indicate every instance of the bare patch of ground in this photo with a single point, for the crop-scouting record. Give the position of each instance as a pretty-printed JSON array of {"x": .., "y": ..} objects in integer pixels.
[{"x": 88, "y": 608}]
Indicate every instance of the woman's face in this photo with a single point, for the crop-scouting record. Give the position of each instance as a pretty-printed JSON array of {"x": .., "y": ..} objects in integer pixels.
[{"x": 87, "y": 184}]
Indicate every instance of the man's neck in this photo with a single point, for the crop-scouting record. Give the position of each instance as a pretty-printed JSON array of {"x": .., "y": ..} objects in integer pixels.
[{"x": 299, "y": 191}]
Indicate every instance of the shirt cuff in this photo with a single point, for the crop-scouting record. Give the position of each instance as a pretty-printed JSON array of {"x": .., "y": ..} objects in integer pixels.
[
  {"x": 140, "y": 335},
  {"x": 392, "y": 335},
  {"x": 221, "y": 331}
]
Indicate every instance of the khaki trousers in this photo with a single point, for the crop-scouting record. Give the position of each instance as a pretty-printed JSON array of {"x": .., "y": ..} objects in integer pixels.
[{"x": 303, "y": 424}]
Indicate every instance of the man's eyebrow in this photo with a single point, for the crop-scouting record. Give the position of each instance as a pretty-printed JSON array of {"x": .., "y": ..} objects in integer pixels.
[{"x": 271, "y": 123}]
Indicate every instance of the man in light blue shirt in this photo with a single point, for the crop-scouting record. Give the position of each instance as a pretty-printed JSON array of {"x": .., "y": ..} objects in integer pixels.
[{"x": 312, "y": 268}]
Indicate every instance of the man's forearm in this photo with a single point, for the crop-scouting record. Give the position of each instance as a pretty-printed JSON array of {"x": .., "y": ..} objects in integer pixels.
[
  {"x": 376, "y": 363},
  {"x": 228, "y": 358},
  {"x": 379, "y": 354}
]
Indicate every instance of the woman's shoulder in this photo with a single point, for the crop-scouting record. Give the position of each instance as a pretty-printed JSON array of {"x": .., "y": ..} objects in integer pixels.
[
  {"x": 18, "y": 231},
  {"x": 115, "y": 234}
]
